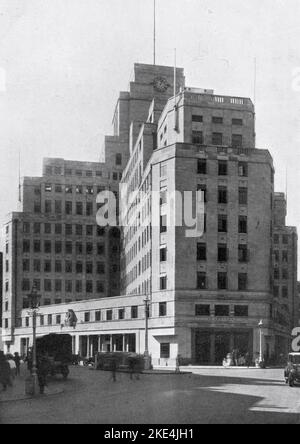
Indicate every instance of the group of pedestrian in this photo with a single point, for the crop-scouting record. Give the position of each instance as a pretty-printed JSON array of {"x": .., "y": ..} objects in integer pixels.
[
  {"x": 134, "y": 367},
  {"x": 9, "y": 368},
  {"x": 236, "y": 359}
]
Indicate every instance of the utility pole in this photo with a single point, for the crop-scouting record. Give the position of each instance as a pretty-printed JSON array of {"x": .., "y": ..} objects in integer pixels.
[{"x": 147, "y": 358}]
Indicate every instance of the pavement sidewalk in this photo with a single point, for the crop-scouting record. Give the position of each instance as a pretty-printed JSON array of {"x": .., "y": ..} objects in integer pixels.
[{"x": 17, "y": 391}]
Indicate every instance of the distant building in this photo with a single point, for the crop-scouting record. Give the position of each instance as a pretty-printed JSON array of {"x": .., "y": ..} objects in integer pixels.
[{"x": 207, "y": 294}]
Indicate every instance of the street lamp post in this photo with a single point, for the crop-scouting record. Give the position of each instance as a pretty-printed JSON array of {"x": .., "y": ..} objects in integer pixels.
[
  {"x": 147, "y": 359},
  {"x": 34, "y": 303},
  {"x": 261, "y": 355}
]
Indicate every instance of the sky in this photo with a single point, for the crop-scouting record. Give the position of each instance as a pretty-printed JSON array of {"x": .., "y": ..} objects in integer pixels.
[{"x": 63, "y": 62}]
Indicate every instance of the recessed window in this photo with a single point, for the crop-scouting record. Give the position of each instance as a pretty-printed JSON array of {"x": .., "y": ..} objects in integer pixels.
[
  {"x": 202, "y": 166},
  {"x": 222, "y": 253},
  {"x": 119, "y": 159},
  {"x": 163, "y": 254},
  {"x": 201, "y": 252},
  {"x": 197, "y": 137},
  {"x": 223, "y": 168},
  {"x": 134, "y": 312},
  {"x": 87, "y": 317},
  {"x": 243, "y": 253},
  {"x": 243, "y": 196},
  {"x": 163, "y": 224},
  {"x": 197, "y": 119},
  {"x": 237, "y": 141},
  {"x": 48, "y": 188},
  {"x": 203, "y": 190},
  {"x": 165, "y": 351},
  {"x": 98, "y": 316},
  {"x": 243, "y": 281},
  {"x": 241, "y": 311},
  {"x": 243, "y": 169},
  {"x": 163, "y": 282},
  {"x": 237, "y": 122},
  {"x": 222, "y": 310},
  {"x": 201, "y": 281},
  {"x": 217, "y": 139},
  {"x": 202, "y": 310},
  {"x": 222, "y": 223},
  {"x": 218, "y": 120},
  {"x": 243, "y": 224},
  {"x": 121, "y": 314},
  {"x": 222, "y": 195},
  {"x": 162, "y": 309},
  {"x": 222, "y": 281}
]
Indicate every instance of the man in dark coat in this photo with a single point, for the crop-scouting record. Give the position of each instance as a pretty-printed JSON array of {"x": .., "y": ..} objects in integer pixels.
[
  {"x": 42, "y": 372},
  {"x": 17, "y": 360},
  {"x": 5, "y": 373}
]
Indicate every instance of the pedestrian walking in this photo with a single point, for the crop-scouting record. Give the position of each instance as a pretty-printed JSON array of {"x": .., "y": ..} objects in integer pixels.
[
  {"x": 134, "y": 366},
  {"x": 5, "y": 373},
  {"x": 113, "y": 368},
  {"x": 42, "y": 372},
  {"x": 17, "y": 360},
  {"x": 177, "y": 369}
]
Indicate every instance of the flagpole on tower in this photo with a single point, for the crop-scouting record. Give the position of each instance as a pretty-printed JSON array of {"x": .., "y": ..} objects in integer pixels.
[
  {"x": 20, "y": 196},
  {"x": 154, "y": 35}
]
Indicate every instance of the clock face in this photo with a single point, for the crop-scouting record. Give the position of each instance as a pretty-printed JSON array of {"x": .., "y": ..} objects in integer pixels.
[{"x": 161, "y": 84}]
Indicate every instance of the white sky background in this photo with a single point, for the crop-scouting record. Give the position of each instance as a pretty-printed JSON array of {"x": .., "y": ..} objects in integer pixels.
[{"x": 66, "y": 60}]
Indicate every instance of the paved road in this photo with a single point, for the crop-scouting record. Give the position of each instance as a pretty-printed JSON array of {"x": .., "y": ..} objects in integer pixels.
[{"x": 207, "y": 396}]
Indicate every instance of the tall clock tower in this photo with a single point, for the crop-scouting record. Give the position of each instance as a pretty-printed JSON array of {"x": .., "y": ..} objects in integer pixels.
[{"x": 150, "y": 82}]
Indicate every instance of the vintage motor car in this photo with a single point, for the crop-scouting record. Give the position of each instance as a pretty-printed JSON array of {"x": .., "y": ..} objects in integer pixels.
[
  {"x": 292, "y": 371},
  {"x": 57, "y": 349}
]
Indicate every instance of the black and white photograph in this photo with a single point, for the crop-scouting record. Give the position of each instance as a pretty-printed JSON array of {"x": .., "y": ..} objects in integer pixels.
[{"x": 149, "y": 215}]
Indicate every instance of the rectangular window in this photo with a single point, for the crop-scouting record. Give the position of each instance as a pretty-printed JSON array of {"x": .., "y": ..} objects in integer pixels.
[
  {"x": 163, "y": 283},
  {"x": 222, "y": 310},
  {"x": 109, "y": 315},
  {"x": 165, "y": 351},
  {"x": 36, "y": 228},
  {"x": 197, "y": 137},
  {"x": 285, "y": 292},
  {"x": 134, "y": 312},
  {"x": 222, "y": 195},
  {"x": 201, "y": 281},
  {"x": 243, "y": 196},
  {"x": 26, "y": 228},
  {"x": 58, "y": 267},
  {"x": 58, "y": 207},
  {"x": 58, "y": 189},
  {"x": 243, "y": 225},
  {"x": 48, "y": 285},
  {"x": 26, "y": 246},
  {"x": 89, "y": 287},
  {"x": 69, "y": 208},
  {"x": 98, "y": 316},
  {"x": 58, "y": 229},
  {"x": 87, "y": 316},
  {"x": 218, "y": 120},
  {"x": 100, "y": 249},
  {"x": 37, "y": 266},
  {"x": 100, "y": 287},
  {"x": 69, "y": 267},
  {"x": 222, "y": 168},
  {"x": 222, "y": 281},
  {"x": 163, "y": 254},
  {"x": 243, "y": 169},
  {"x": 47, "y": 247},
  {"x": 89, "y": 248},
  {"x": 26, "y": 285},
  {"x": 202, "y": 310},
  {"x": 58, "y": 320},
  {"x": 100, "y": 268},
  {"x": 162, "y": 309},
  {"x": 201, "y": 252},
  {"x": 237, "y": 122},
  {"x": 48, "y": 229},
  {"x": 69, "y": 248},
  {"x": 197, "y": 119},
  {"x": 69, "y": 286},
  {"x": 163, "y": 224},
  {"x": 89, "y": 268},
  {"x": 58, "y": 247},
  {"x": 202, "y": 166},
  {"x": 89, "y": 208},
  {"x": 237, "y": 141},
  {"x": 222, "y": 223},
  {"x": 79, "y": 230},
  {"x": 217, "y": 139},
  {"x": 121, "y": 314},
  {"x": 241, "y": 311},
  {"x": 26, "y": 266},
  {"x": 48, "y": 206},
  {"x": 58, "y": 286},
  {"x": 48, "y": 188},
  {"x": 79, "y": 208},
  {"x": 78, "y": 286},
  {"x": 119, "y": 159},
  {"x": 243, "y": 253},
  {"x": 47, "y": 266},
  {"x": 69, "y": 189},
  {"x": 243, "y": 281},
  {"x": 222, "y": 253},
  {"x": 49, "y": 319}
]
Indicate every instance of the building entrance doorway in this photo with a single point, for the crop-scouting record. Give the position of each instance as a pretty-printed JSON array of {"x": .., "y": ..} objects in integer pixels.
[{"x": 222, "y": 347}]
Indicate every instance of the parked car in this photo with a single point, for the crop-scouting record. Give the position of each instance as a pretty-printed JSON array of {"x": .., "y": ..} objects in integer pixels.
[
  {"x": 58, "y": 350},
  {"x": 292, "y": 371}
]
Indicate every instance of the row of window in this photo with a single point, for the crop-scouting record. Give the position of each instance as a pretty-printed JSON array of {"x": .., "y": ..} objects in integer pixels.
[
  {"x": 59, "y": 247},
  {"x": 217, "y": 139},
  {"x": 66, "y": 286},
  {"x": 223, "y": 253},
  {"x": 80, "y": 209},
  {"x": 218, "y": 120},
  {"x": 48, "y": 266},
  {"x": 58, "y": 171},
  {"x": 47, "y": 228},
  {"x": 284, "y": 239},
  {"x": 240, "y": 311},
  {"x": 222, "y": 281},
  {"x": 222, "y": 224},
  {"x": 223, "y": 168},
  {"x": 223, "y": 197},
  {"x": 283, "y": 292},
  {"x": 281, "y": 274},
  {"x": 284, "y": 256}
]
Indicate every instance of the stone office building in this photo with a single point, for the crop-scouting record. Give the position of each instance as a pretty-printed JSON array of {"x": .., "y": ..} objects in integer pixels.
[{"x": 207, "y": 294}]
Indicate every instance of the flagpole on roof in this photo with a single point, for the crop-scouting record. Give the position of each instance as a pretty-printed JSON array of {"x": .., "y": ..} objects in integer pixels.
[{"x": 154, "y": 34}]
